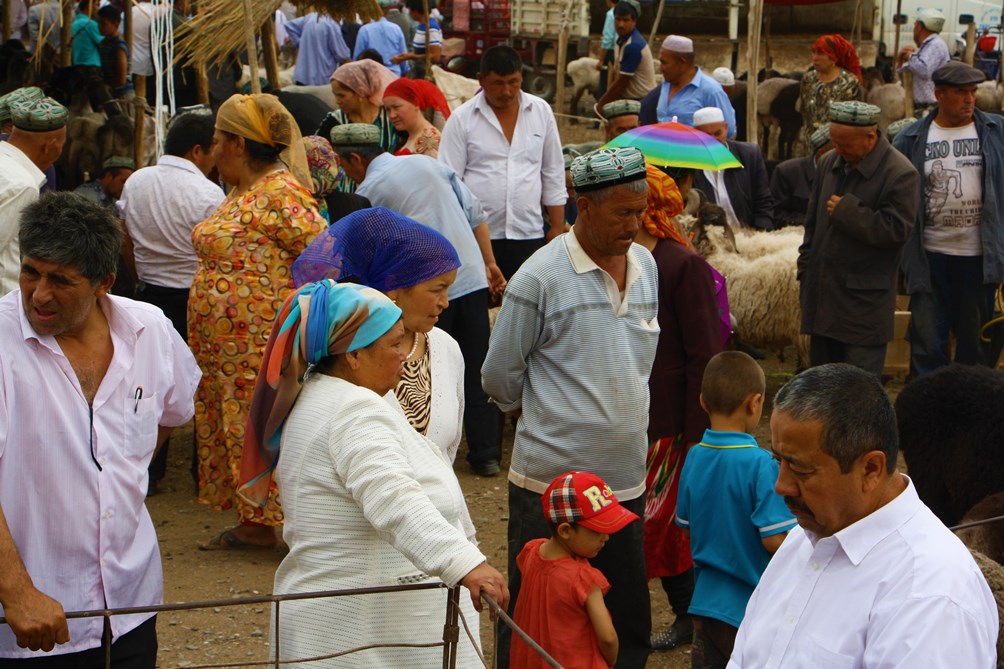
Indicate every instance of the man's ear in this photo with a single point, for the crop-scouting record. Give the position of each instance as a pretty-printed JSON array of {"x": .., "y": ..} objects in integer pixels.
[{"x": 872, "y": 466}]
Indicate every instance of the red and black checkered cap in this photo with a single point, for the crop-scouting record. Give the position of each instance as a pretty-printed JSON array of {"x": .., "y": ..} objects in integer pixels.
[{"x": 585, "y": 499}]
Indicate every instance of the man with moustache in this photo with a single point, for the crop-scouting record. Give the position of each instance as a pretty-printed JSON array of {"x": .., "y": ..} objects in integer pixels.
[
  {"x": 871, "y": 577},
  {"x": 571, "y": 354},
  {"x": 90, "y": 384}
]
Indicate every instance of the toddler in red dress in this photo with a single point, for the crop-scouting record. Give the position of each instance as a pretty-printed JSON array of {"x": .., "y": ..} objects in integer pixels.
[{"x": 560, "y": 603}]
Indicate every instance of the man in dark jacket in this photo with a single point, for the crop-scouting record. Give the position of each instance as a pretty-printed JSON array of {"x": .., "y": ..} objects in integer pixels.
[
  {"x": 791, "y": 181},
  {"x": 953, "y": 261},
  {"x": 863, "y": 208},
  {"x": 743, "y": 192}
]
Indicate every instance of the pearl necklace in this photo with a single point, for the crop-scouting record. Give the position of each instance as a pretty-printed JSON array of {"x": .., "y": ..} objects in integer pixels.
[{"x": 414, "y": 347}]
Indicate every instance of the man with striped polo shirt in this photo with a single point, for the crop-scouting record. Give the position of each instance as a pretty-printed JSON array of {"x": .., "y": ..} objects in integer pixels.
[{"x": 571, "y": 353}]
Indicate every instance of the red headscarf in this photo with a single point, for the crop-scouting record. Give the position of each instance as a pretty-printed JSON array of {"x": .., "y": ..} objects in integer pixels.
[
  {"x": 840, "y": 52},
  {"x": 419, "y": 92}
]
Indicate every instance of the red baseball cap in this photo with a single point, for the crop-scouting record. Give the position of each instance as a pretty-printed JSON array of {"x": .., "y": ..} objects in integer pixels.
[{"x": 585, "y": 499}]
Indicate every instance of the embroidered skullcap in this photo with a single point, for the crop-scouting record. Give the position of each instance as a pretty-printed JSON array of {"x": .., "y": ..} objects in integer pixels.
[
  {"x": 317, "y": 321},
  {"x": 853, "y": 112},
  {"x": 621, "y": 108},
  {"x": 899, "y": 126},
  {"x": 607, "y": 167},
  {"x": 724, "y": 76},
  {"x": 957, "y": 73},
  {"x": 707, "y": 115},
  {"x": 630, "y": 5},
  {"x": 25, "y": 94},
  {"x": 932, "y": 19},
  {"x": 820, "y": 138},
  {"x": 122, "y": 162},
  {"x": 568, "y": 158},
  {"x": 678, "y": 44},
  {"x": 38, "y": 115},
  {"x": 377, "y": 247},
  {"x": 355, "y": 134}
]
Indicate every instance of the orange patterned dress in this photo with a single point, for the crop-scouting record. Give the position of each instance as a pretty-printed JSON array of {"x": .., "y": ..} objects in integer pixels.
[{"x": 246, "y": 249}]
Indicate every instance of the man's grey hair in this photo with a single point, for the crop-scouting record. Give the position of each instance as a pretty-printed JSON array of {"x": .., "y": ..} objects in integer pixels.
[
  {"x": 853, "y": 408},
  {"x": 68, "y": 229},
  {"x": 600, "y": 195}
]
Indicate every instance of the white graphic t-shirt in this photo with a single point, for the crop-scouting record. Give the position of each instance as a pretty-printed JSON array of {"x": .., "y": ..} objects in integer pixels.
[{"x": 953, "y": 191}]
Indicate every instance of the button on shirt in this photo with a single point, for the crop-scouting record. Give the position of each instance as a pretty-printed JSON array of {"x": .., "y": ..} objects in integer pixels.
[
  {"x": 20, "y": 181},
  {"x": 895, "y": 589},
  {"x": 702, "y": 91},
  {"x": 160, "y": 205},
  {"x": 512, "y": 181},
  {"x": 84, "y": 533},
  {"x": 321, "y": 48},
  {"x": 384, "y": 37},
  {"x": 436, "y": 197},
  {"x": 932, "y": 54}
]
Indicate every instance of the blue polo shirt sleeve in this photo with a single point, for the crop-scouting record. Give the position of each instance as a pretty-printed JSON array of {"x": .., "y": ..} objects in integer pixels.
[
  {"x": 631, "y": 58},
  {"x": 770, "y": 515}
]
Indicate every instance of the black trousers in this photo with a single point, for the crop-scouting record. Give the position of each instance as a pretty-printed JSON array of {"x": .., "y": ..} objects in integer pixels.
[
  {"x": 136, "y": 649},
  {"x": 622, "y": 561},
  {"x": 174, "y": 303},
  {"x": 823, "y": 350},
  {"x": 466, "y": 320},
  {"x": 511, "y": 253}
]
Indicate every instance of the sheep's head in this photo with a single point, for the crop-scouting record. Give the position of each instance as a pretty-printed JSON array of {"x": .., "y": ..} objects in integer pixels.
[{"x": 701, "y": 236}]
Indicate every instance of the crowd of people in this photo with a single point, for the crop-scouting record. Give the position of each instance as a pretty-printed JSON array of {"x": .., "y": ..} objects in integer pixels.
[{"x": 318, "y": 303}]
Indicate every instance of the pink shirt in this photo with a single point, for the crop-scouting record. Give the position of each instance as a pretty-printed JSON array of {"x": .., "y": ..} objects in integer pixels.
[{"x": 84, "y": 533}]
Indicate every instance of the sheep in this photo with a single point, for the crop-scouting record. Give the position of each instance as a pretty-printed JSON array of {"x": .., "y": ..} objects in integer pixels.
[
  {"x": 760, "y": 270},
  {"x": 322, "y": 93},
  {"x": 585, "y": 77},
  {"x": 993, "y": 572},
  {"x": 890, "y": 98},
  {"x": 285, "y": 76},
  {"x": 989, "y": 537},
  {"x": 458, "y": 89},
  {"x": 952, "y": 437},
  {"x": 988, "y": 96},
  {"x": 776, "y": 106}
]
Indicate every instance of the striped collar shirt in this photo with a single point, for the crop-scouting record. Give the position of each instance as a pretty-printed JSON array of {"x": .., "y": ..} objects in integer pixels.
[{"x": 575, "y": 356}]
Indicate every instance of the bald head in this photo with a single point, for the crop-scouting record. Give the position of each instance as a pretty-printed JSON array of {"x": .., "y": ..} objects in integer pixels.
[{"x": 42, "y": 148}]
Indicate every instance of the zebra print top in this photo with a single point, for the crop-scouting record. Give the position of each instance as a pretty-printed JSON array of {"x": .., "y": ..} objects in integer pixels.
[{"x": 414, "y": 391}]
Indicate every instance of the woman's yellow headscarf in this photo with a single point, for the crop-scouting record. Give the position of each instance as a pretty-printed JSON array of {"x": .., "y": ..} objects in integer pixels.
[
  {"x": 262, "y": 118},
  {"x": 665, "y": 202}
]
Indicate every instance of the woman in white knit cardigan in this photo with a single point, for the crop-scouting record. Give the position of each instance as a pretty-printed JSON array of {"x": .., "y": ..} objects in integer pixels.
[{"x": 368, "y": 500}]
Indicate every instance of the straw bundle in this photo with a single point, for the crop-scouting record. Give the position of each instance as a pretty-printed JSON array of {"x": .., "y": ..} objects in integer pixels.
[{"x": 217, "y": 31}]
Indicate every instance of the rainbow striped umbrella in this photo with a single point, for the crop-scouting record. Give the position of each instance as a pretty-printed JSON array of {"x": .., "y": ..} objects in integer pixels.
[{"x": 673, "y": 144}]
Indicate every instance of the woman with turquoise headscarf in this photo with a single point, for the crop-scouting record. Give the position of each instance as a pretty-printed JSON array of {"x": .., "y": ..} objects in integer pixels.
[{"x": 368, "y": 501}]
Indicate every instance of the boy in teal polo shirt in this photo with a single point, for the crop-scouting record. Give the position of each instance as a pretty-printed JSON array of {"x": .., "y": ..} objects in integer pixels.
[{"x": 728, "y": 505}]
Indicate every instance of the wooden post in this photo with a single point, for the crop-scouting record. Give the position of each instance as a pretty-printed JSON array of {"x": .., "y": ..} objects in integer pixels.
[
  {"x": 428, "y": 52},
  {"x": 8, "y": 19},
  {"x": 268, "y": 49},
  {"x": 970, "y": 43},
  {"x": 908, "y": 92},
  {"x": 655, "y": 26},
  {"x": 65, "y": 34},
  {"x": 560, "y": 65},
  {"x": 899, "y": 29},
  {"x": 139, "y": 84},
  {"x": 252, "y": 49},
  {"x": 752, "y": 65}
]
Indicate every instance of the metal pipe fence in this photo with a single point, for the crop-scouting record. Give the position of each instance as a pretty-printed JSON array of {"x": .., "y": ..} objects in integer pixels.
[{"x": 454, "y": 618}]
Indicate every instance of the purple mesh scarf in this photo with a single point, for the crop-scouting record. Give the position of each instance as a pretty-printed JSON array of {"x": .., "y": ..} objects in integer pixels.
[{"x": 378, "y": 248}]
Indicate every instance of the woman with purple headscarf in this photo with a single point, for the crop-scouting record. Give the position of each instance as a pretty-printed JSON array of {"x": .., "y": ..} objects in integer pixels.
[{"x": 414, "y": 265}]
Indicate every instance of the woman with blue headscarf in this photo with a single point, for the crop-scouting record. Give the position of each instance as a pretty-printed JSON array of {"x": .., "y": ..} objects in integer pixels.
[
  {"x": 414, "y": 265},
  {"x": 368, "y": 500}
]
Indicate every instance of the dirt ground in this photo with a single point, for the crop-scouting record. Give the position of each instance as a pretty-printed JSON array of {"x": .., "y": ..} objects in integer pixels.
[{"x": 232, "y": 635}]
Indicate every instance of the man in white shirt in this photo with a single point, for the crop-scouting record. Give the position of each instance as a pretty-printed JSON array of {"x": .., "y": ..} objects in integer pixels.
[
  {"x": 504, "y": 144},
  {"x": 90, "y": 383},
  {"x": 871, "y": 578},
  {"x": 35, "y": 142},
  {"x": 160, "y": 205},
  {"x": 922, "y": 60}
]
